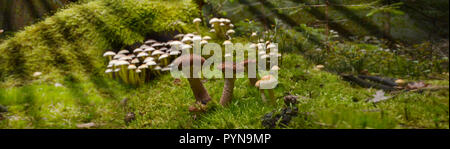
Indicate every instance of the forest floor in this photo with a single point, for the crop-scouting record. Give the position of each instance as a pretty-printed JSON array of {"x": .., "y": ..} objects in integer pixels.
[{"x": 326, "y": 101}]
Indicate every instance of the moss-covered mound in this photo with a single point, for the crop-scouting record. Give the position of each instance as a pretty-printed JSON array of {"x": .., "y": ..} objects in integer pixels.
[{"x": 72, "y": 41}]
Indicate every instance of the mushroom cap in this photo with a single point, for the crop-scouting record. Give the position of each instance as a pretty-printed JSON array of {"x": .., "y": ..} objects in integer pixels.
[
  {"x": 117, "y": 56},
  {"x": 186, "y": 47},
  {"x": 174, "y": 53},
  {"x": 138, "y": 71},
  {"x": 137, "y": 50},
  {"x": 108, "y": 70},
  {"x": 227, "y": 42},
  {"x": 203, "y": 42},
  {"x": 197, "y": 38},
  {"x": 163, "y": 49},
  {"x": 157, "y": 52},
  {"x": 149, "y": 49},
  {"x": 150, "y": 41},
  {"x": 163, "y": 56},
  {"x": 186, "y": 39},
  {"x": 246, "y": 62},
  {"x": 230, "y": 32},
  {"x": 212, "y": 30},
  {"x": 157, "y": 68},
  {"x": 131, "y": 67},
  {"x": 142, "y": 54},
  {"x": 179, "y": 36},
  {"x": 143, "y": 66},
  {"x": 400, "y": 81},
  {"x": 229, "y": 66},
  {"x": 144, "y": 46},
  {"x": 35, "y": 74},
  {"x": 189, "y": 35},
  {"x": 112, "y": 62},
  {"x": 214, "y": 20},
  {"x": 188, "y": 58},
  {"x": 134, "y": 61},
  {"x": 148, "y": 59},
  {"x": 121, "y": 63},
  {"x": 222, "y": 24},
  {"x": 231, "y": 26},
  {"x": 125, "y": 58},
  {"x": 275, "y": 68},
  {"x": 157, "y": 44},
  {"x": 206, "y": 38},
  {"x": 151, "y": 63},
  {"x": 225, "y": 20},
  {"x": 123, "y": 52},
  {"x": 266, "y": 82},
  {"x": 254, "y": 34},
  {"x": 197, "y": 20},
  {"x": 109, "y": 53},
  {"x": 175, "y": 43},
  {"x": 320, "y": 66}
]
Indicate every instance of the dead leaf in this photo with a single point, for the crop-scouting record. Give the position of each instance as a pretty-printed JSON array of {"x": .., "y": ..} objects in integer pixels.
[
  {"x": 378, "y": 97},
  {"x": 416, "y": 85},
  {"x": 86, "y": 125}
]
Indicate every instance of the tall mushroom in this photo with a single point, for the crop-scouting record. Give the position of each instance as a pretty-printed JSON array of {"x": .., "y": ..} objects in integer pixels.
[
  {"x": 200, "y": 93},
  {"x": 227, "y": 93}
]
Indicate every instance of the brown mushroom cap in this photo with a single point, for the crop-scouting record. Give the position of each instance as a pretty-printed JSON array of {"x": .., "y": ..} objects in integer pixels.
[{"x": 188, "y": 58}]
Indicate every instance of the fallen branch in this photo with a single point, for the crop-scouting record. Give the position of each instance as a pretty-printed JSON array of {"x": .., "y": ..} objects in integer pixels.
[
  {"x": 382, "y": 80},
  {"x": 366, "y": 84}
]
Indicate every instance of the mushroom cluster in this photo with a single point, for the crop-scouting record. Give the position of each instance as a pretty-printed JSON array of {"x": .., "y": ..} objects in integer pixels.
[
  {"x": 222, "y": 27},
  {"x": 140, "y": 65}
]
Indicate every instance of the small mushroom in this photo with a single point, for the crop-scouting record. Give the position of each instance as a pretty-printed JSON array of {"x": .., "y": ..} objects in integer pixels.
[
  {"x": 267, "y": 82},
  {"x": 199, "y": 91},
  {"x": 137, "y": 50},
  {"x": 206, "y": 38},
  {"x": 319, "y": 67},
  {"x": 400, "y": 82},
  {"x": 197, "y": 23},
  {"x": 230, "y": 32},
  {"x": 109, "y": 54}
]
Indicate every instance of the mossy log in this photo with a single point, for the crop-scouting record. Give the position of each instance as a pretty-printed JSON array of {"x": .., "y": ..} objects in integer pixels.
[{"x": 71, "y": 42}]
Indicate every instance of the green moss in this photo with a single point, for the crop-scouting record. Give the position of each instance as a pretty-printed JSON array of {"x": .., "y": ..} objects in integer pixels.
[
  {"x": 72, "y": 40},
  {"x": 326, "y": 102}
]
